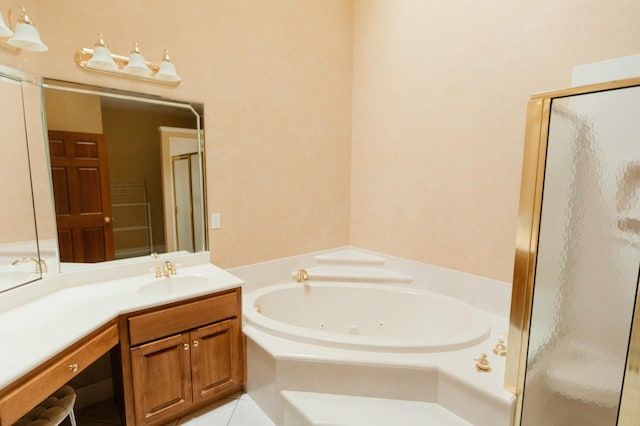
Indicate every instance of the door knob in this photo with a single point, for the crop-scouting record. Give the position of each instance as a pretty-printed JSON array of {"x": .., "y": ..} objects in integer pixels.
[{"x": 107, "y": 219}]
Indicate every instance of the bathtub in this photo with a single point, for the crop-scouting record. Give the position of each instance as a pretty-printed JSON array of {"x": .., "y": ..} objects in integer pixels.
[{"x": 367, "y": 317}]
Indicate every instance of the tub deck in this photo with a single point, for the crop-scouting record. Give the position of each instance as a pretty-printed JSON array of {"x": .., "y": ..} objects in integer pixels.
[{"x": 449, "y": 379}]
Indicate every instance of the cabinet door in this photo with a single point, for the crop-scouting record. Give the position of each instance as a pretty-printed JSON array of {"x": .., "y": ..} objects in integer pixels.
[
  {"x": 216, "y": 364},
  {"x": 161, "y": 377}
]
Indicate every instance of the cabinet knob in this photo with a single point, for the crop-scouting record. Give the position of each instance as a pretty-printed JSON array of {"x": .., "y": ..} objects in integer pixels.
[
  {"x": 195, "y": 343},
  {"x": 107, "y": 219},
  {"x": 186, "y": 346},
  {"x": 73, "y": 367}
]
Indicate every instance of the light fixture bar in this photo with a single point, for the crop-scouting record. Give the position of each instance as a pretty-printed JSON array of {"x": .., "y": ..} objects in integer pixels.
[{"x": 82, "y": 58}]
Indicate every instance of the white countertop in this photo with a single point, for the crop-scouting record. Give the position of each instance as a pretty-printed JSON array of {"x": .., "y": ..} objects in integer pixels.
[{"x": 44, "y": 318}]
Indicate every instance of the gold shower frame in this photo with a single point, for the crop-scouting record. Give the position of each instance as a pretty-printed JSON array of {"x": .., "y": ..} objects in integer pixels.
[{"x": 533, "y": 166}]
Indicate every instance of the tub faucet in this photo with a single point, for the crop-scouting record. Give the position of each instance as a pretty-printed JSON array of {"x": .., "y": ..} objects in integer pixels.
[
  {"x": 302, "y": 276},
  {"x": 41, "y": 265}
]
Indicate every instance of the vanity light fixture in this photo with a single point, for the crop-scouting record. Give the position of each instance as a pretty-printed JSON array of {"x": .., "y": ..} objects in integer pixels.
[
  {"x": 137, "y": 64},
  {"x": 5, "y": 31},
  {"x": 167, "y": 70},
  {"x": 101, "y": 59},
  {"x": 24, "y": 35}
]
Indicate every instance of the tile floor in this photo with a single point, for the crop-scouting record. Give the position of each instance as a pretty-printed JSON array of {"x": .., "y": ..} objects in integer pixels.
[{"x": 236, "y": 410}]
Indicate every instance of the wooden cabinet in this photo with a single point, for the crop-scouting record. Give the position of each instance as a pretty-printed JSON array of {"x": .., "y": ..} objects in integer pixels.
[
  {"x": 24, "y": 394},
  {"x": 178, "y": 358},
  {"x": 161, "y": 377},
  {"x": 214, "y": 351}
]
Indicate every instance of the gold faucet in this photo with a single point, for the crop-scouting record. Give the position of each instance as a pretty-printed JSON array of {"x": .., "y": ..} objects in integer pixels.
[
  {"x": 41, "y": 265},
  {"x": 167, "y": 270},
  {"x": 302, "y": 275}
]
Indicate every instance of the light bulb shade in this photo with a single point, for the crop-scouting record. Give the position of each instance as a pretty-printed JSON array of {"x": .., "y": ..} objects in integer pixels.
[
  {"x": 167, "y": 72},
  {"x": 102, "y": 59},
  {"x": 27, "y": 37},
  {"x": 5, "y": 31},
  {"x": 137, "y": 65}
]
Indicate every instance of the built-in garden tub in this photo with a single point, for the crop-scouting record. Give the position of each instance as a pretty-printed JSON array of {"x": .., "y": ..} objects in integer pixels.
[
  {"x": 387, "y": 332},
  {"x": 372, "y": 317}
]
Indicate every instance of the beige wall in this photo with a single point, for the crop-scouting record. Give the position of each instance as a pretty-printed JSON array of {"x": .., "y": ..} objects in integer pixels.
[
  {"x": 432, "y": 169},
  {"x": 275, "y": 79},
  {"x": 439, "y": 100}
]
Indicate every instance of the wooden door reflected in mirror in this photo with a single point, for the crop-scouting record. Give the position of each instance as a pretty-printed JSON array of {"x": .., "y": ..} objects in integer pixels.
[{"x": 80, "y": 178}]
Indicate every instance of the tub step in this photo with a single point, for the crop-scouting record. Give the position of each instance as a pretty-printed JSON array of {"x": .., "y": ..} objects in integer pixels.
[
  {"x": 355, "y": 274},
  {"x": 350, "y": 257},
  {"x": 314, "y": 409}
]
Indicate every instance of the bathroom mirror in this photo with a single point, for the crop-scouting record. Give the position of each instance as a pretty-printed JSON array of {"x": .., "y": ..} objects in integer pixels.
[
  {"x": 25, "y": 190},
  {"x": 127, "y": 173}
]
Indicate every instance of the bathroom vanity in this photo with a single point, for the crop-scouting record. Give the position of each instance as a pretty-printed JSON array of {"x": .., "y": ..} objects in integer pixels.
[
  {"x": 196, "y": 345},
  {"x": 177, "y": 340}
]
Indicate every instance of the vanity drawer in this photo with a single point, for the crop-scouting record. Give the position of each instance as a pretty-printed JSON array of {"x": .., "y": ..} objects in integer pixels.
[
  {"x": 154, "y": 325},
  {"x": 51, "y": 376}
]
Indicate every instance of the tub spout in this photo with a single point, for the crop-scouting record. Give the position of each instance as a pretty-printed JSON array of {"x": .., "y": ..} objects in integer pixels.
[{"x": 302, "y": 276}]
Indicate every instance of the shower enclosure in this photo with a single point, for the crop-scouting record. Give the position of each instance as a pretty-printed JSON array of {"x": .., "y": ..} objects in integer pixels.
[{"x": 573, "y": 342}]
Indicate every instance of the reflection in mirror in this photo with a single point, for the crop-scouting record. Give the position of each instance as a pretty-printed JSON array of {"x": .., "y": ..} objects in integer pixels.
[
  {"x": 114, "y": 198},
  {"x": 180, "y": 171},
  {"x": 21, "y": 128}
]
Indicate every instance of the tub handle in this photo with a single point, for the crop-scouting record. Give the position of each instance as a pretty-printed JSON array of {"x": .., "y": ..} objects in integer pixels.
[
  {"x": 482, "y": 364},
  {"x": 500, "y": 349}
]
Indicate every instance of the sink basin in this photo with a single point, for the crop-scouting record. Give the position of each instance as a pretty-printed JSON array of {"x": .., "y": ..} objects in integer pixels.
[{"x": 174, "y": 284}]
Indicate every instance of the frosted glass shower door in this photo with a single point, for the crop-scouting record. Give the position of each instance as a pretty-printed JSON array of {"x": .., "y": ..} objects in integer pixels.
[{"x": 586, "y": 275}]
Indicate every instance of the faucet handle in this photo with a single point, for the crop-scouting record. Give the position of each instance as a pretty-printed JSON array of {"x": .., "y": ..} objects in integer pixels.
[
  {"x": 302, "y": 275},
  {"x": 482, "y": 364},
  {"x": 500, "y": 349}
]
